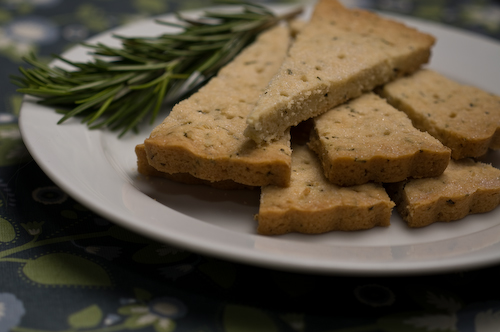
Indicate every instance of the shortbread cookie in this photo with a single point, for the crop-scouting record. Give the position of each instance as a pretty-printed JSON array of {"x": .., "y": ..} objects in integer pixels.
[
  {"x": 338, "y": 55},
  {"x": 311, "y": 204},
  {"x": 464, "y": 118},
  {"x": 367, "y": 139},
  {"x": 144, "y": 168},
  {"x": 203, "y": 135},
  {"x": 466, "y": 187}
]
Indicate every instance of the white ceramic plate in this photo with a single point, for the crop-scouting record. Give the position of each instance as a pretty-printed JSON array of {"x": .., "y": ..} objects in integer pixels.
[{"x": 99, "y": 170}]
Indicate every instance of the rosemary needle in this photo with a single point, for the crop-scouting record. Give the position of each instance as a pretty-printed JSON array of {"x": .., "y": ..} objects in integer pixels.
[{"x": 136, "y": 78}]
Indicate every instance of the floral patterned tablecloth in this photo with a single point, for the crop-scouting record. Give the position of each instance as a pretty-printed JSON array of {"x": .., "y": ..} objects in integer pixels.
[{"x": 64, "y": 268}]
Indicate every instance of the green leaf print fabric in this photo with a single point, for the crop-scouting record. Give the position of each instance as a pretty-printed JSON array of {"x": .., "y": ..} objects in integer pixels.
[{"x": 65, "y": 268}]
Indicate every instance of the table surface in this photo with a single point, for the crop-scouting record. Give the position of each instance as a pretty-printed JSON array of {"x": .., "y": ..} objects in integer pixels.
[{"x": 61, "y": 271}]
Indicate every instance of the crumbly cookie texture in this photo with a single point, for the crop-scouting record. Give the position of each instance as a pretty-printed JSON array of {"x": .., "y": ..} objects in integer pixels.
[
  {"x": 203, "y": 135},
  {"x": 464, "y": 118},
  {"x": 311, "y": 204},
  {"x": 367, "y": 139},
  {"x": 338, "y": 55},
  {"x": 144, "y": 168},
  {"x": 466, "y": 187}
]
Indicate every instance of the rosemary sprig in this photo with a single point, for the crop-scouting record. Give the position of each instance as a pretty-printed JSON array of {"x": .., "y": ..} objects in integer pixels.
[{"x": 136, "y": 78}]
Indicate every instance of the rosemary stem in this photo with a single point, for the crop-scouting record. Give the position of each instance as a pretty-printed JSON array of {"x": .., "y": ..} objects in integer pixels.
[{"x": 118, "y": 87}]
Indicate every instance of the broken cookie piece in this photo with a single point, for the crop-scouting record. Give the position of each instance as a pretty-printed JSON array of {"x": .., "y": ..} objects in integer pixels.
[
  {"x": 338, "y": 55},
  {"x": 203, "y": 135},
  {"x": 367, "y": 139},
  {"x": 464, "y": 118},
  {"x": 466, "y": 187},
  {"x": 311, "y": 204}
]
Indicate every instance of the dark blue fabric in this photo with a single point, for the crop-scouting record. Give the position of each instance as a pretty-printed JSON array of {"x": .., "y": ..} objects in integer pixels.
[{"x": 62, "y": 267}]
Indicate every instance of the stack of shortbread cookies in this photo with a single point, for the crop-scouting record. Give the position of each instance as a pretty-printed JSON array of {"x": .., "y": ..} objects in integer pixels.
[{"x": 337, "y": 124}]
